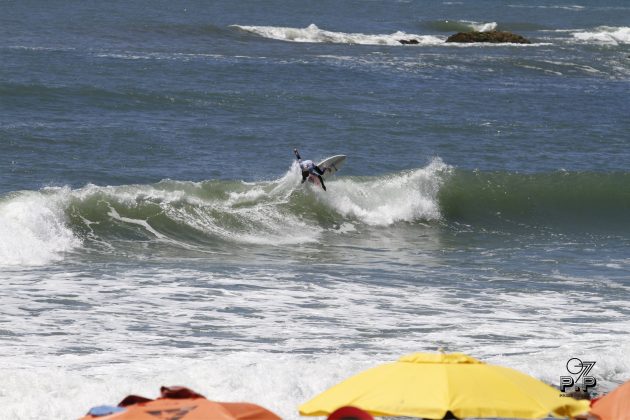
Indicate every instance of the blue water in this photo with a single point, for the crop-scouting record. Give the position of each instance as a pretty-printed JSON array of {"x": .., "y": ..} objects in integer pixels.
[{"x": 153, "y": 229}]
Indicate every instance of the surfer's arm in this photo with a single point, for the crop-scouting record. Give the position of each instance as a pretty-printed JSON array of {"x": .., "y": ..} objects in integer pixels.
[{"x": 297, "y": 154}]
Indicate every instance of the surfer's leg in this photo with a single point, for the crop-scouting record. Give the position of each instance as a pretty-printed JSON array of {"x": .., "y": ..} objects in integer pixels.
[
  {"x": 319, "y": 171},
  {"x": 322, "y": 181}
]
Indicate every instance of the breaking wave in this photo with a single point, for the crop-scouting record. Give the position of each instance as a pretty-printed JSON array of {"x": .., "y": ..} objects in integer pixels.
[
  {"x": 462, "y": 26},
  {"x": 34, "y": 229},
  {"x": 314, "y": 34},
  {"x": 41, "y": 226},
  {"x": 604, "y": 35}
]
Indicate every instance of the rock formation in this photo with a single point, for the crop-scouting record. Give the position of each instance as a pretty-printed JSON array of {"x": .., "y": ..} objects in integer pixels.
[{"x": 492, "y": 36}]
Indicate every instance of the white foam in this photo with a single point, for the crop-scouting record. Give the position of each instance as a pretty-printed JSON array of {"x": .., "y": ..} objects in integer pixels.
[
  {"x": 33, "y": 228},
  {"x": 245, "y": 337},
  {"x": 314, "y": 34},
  {"x": 605, "y": 35},
  {"x": 409, "y": 196},
  {"x": 31, "y": 48},
  {"x": 573, "y": 7},
  {"x": 525, "y": 66},
  {"x": 254, "y": 212},
  {"x": 132, "y": 55},
  {"x": 481, "y": 27}
]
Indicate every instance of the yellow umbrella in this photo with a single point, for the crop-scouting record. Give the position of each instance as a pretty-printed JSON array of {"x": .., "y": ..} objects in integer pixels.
[{"x": 428, "y": 385}]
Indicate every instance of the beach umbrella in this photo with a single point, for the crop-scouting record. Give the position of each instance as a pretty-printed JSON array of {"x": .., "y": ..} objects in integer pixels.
[
  {"x": 615, "y": 405},
  {"x": 437, "y": 385},
  {"x": 350, "y": 413},
  {"x": 179, "y": 403}
]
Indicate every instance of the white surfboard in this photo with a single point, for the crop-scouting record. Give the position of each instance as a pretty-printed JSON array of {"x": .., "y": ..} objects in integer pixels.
[{"x": 331, "y": 165}]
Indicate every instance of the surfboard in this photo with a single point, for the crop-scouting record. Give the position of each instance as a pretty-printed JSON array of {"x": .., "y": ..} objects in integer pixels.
[{"x": 330, "y": 166}]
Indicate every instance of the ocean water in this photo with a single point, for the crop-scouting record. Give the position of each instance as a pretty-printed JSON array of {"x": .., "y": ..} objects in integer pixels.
[{"x": 154, "y": 231}]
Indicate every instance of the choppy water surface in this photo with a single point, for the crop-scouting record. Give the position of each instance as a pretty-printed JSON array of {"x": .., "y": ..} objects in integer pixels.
[{"x": 153, "y": 229}]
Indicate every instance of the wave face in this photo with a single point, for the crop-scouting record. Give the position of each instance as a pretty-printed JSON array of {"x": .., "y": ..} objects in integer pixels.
[
  {"x": 38, "y": 227},
  {"x": 313, "y": 34},
  {"x": 564, "y": 199}
]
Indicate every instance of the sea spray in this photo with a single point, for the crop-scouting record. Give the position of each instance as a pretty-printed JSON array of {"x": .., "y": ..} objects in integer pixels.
[
  {"x": 33, "y": 228},
  {"x": 404, "y": 197},
  {"x": 461, "y": 26},
  {"x": 604, "y": 35}
]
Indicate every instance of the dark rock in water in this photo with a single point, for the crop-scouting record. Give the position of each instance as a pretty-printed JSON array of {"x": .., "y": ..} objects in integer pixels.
[
  {"x": 492, "y": 36},
  {"x": 408, "y": 41}
]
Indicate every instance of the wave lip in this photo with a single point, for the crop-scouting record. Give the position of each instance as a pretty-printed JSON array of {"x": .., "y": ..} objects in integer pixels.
[
  {"x": 33, "y": 229},
  {"x": 604, "y": 35},
  {"x": 314, "y": 34},
  {"x": 463, "y": 26}
]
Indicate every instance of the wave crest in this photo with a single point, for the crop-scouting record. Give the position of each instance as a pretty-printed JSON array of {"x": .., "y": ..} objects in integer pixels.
[
  {"x": 462, "y": 26},
  {"x": 605, "y": 35},
  {"x": 33, "y": 228},
  {"x": 404, "y": 197},
  {"x": 316, "y": 35}
]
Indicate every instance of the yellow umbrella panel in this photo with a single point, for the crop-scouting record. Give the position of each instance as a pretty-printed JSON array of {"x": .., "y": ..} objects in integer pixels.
[{"x": 428, "y": 385}]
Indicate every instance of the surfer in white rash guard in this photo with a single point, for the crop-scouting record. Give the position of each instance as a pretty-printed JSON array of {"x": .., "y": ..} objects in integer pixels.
[{"x": 308, "y": 167}]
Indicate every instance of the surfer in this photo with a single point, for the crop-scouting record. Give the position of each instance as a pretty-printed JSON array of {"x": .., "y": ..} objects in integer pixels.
[{"x": 308, "y": 167}]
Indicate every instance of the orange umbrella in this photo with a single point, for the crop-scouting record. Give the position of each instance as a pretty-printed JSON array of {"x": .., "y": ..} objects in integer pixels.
[
  {"x": 615, "y": 405},
  {"x": 178, "y": 403}
]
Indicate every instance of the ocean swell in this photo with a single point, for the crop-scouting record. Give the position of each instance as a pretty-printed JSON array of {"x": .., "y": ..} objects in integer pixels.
[
  {"x": 41, "y": 226},
  {"x": 583, "y": 200}
]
